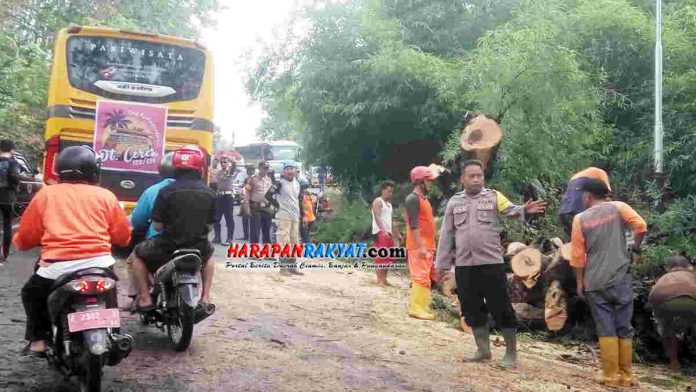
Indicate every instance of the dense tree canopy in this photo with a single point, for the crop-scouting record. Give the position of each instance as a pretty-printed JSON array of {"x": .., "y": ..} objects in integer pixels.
[
  {"x": 570, "y": 79},
  {"x": 377, "y": 86}
]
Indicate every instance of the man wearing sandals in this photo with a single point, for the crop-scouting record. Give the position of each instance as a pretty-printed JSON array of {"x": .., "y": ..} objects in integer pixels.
[
  {"x": 74, "y": 222},
  {"x": 184, "y": 212}
]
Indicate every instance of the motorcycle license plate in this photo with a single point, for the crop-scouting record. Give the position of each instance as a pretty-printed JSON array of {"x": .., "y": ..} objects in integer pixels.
[{"x": 93, "y": 319}]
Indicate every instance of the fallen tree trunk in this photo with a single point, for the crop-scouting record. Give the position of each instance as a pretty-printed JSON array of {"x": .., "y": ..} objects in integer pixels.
[
  {"x": 542, "y": 281},
  {"x": 539, "y": 287},
  {"x": 480, "y": 140},
  {"x": 555, "y": 307}
]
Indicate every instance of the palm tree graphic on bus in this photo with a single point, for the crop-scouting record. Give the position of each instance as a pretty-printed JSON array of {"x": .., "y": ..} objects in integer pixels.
[{"x": 123, "y": 131}]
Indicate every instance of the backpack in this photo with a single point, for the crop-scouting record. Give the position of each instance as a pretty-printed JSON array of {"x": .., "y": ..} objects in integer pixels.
[{"x": 7, "y": 177}]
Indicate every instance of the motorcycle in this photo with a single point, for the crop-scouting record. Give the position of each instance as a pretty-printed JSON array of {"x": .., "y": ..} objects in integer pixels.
[
  {"x": 176, "y": 293},
  {"x": 85, "y": 323},
  {"x": 324, "y": 209}
]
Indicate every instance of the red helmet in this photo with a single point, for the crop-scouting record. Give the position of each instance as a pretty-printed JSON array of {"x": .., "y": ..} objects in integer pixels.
[
  {"x": 422, "y": 173},
  {"x": 189, "y": 158}
]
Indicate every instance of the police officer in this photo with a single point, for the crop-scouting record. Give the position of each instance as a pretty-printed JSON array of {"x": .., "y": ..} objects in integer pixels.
[
  {"x": 470, "y": 239},
  {"x": 224, "y": 202}
]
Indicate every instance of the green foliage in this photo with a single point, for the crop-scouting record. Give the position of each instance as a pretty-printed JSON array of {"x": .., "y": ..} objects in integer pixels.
[
  {"x": 381, "y": 85},
  {"x": 679, "y": 218},
  {"x": 347, "y": 224},
  {"x": 672, "y": 233},
  {"x": 365, "y": 123}
]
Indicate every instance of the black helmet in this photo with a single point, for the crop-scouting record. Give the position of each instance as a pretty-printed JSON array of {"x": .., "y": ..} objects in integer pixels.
[
  {"x": 78, "y": 164},
  {"x": 166, "y": 169}
]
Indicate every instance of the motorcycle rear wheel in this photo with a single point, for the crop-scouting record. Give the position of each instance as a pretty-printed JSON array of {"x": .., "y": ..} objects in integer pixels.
[
  {"x": 180, "y": 327},
  {"x": 90, "y": 380}
]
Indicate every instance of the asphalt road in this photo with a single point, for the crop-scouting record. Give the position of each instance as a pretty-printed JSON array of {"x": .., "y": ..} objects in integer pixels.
[{"x": 20, "y": 373}]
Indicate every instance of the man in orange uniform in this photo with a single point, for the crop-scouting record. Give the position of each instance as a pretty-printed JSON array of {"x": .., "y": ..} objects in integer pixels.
[
  {"x": 307, "y": 210},
  {"x": 420, "y": 242},
  {"x": 572, "y": 202},
  {"x": 603, "y": 273},
  {"x": 75, "y": 222}
]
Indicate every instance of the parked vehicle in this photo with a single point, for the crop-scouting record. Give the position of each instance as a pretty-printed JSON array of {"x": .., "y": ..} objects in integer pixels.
[
  {"x": 25, "y": 192},
  {"x": 274, "y": 152},
  {"x": 176, "y": 292},
  {"x": 93, "y": 64},
  {"x": 85, "y": 326}
]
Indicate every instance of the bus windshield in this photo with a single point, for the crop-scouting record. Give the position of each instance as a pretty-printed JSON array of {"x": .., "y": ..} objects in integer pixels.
[
  {"x": 285, "y": 153},
  {"x": 250, "y": 152},
  {"x": 129, "y": 69}
]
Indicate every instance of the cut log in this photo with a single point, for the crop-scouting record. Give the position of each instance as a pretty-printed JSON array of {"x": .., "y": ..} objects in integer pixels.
[
  {"x": 436, "y": 169},
  {"x": 554, "y": 261},
  {"x": 515, "y": 248},
  {"x": 566, "y": 251},
  {"x": 518, "y": 292},
  {"x": 526, "y": 265},
  {"x": 555, "y": 307},
  {"x": 527, "y": 312},
  {"x": 480, "y": 136},
  {"x": 557, "y": 242}
]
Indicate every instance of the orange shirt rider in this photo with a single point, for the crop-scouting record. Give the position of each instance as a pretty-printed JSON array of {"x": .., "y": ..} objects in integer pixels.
[
  {"x": 73, "y": 221},
  {"x": 420, "y": 228}
]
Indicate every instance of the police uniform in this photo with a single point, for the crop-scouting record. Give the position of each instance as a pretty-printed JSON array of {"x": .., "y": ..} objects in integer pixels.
[{"x": 470, "y": 240}]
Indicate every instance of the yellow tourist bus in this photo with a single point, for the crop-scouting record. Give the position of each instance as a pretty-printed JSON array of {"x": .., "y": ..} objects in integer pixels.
[{"x": 92, "y": 64}]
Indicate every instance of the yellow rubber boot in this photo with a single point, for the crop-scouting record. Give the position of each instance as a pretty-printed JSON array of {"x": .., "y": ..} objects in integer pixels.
[
  {"x": 609, "y": 354},
  {"x": 419, "y": 306},
  {"x": 626, "y": 362}
]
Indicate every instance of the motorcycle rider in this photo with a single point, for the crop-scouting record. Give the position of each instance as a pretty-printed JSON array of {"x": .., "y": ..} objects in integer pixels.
[
  {"x": 183, "y": 212},
  {"x": 140, "y": 218},
  {"x": 75, "y": 222}
]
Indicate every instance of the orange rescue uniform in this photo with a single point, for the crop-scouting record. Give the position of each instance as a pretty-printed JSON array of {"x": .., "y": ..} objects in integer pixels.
[{"x": 420, "y": 268}]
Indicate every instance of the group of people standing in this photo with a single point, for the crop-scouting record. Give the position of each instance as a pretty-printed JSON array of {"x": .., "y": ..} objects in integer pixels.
[
  {"x": 259, "y": 207},
  {"x": 287, "y": 201},
  {"x": 470, "y": 242}
]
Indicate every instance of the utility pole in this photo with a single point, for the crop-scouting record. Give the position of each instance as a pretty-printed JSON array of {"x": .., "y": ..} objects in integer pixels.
[{"x": 659, "y": 132}]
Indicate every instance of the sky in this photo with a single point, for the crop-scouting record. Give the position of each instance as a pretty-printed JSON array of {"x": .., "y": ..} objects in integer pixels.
[{"x": 242, "y": 28}]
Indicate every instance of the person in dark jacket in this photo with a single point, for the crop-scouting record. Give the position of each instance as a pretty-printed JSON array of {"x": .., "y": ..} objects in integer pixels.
[{"x": 9, "y": 179}]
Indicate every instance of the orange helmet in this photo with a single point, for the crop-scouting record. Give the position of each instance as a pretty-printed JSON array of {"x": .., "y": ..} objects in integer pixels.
[{"x": 422, "y": 173}]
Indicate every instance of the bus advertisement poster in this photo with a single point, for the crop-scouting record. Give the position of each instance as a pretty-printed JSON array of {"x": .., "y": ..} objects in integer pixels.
[{"x": 130, "y": 136}]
